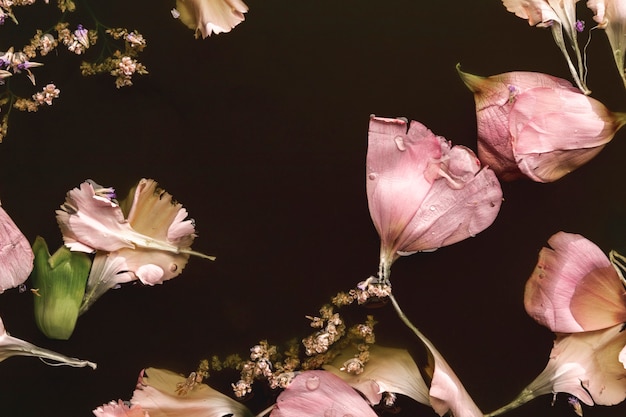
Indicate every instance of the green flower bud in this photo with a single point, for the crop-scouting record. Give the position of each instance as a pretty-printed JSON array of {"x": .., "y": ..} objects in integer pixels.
[{"x": 59, "y": 286}]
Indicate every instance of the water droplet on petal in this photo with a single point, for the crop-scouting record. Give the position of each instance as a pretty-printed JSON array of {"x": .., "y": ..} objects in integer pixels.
[
  {"x": 432, "y": 208},
  {"x": 400, "y": 143},
  {"x": 372, "y": 176},
  {"x": 313, "y": 383}
]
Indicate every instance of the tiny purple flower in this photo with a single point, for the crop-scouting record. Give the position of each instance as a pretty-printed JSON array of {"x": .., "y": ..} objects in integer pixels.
[{"x": 580, "y": 26}]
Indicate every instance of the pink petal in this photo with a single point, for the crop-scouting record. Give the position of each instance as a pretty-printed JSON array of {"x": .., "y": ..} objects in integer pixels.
[
  {"x": 89, "y": 222},
  {"x": 449, "y": 214},
  {"x": 320, "y": 393},
  {"x": 119, "y": 409},
  {"x": 423, "y": 193},
  {"x": 211, "y": 16},
  {"x": 587, "y": 366},
  {"x": 156, "y": 393},
  {"x": 16, "y": 255},
  {"x": 574, "y": 287},
  {"x": 495, "y": 97},
  {"x": 554, "y": 133},
  {"x": 401, "y": 167},
  {"x": 537, "y": 12}
]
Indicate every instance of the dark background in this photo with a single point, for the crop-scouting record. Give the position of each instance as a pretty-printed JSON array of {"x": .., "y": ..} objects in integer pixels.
[{"x": 262, "y": 134}]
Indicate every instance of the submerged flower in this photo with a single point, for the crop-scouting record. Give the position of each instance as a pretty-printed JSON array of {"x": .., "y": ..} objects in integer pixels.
[
  {"x": 16, "y": 256},
  {"x": 611, "y": 16},
  {"x": 12, "y": 346},
  {"x": 574, "y": 287},
  {"x": 156, "y": 393},
  {"x": 535, "y": 125},
  {"x": 320, "y": 393},
  {"x": 60, "y": 283},
  {"x": 150, "y": 241},
  {"x": 560, "y": 16},
  {"x": 423, "y": 193},
  {"x": 210, "y": 16}
]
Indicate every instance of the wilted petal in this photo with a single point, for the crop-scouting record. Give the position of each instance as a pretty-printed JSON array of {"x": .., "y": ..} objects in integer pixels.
[
  {"x": 320, "y": 393},
  {"x": 387, "y": 370},
  {"x": 423, "y": 193},
  {"x": 611, "y": 16},
  {"x": 536, "y": 125},
  {"x": 537, "y": 12},
  {"x": 585, "y": 365},
  {"x": 211, "y": 16},
  {"x": 16, "y": 256},
  {"x": 574, "y": 287},
  {"x": 12, "y": 346},
  {"x": 90, "y": 221},
  {"x": 107, "y": 271},
  {"x": 120, "y": 409},
  {"x": 553, "y": 134},
  {"x": 156, "y": 394}
]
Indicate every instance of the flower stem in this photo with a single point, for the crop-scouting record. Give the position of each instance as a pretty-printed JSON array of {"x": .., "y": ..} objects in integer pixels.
[{"x": 521, "y": 399}]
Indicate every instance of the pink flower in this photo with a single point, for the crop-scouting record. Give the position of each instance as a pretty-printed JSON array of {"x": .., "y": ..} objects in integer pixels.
[
  {"x": 16, "y": 255},
  {"x": 156, "y": 394},
  {"x": 313, "y": 393},
  {"x": 560, "y": 16},
  {"x": 576, "y": 292},
  {"x": 574, "y": 287},
  {"x": 611, "y": 16},
  {"x": 536, "y": 125},
  {"x": 424, "y": 193},
  {"x": 152, "y": 244},
  {"x": 119, "y": 409},
  {"x": 12, "y": 346},
  {"x": 211, "y": 16}
]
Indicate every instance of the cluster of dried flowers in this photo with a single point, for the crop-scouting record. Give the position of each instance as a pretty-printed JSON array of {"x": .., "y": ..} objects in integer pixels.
[{"x": 117, "y": 56}]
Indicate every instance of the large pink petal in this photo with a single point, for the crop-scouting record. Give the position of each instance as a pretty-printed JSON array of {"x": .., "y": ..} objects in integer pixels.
[
  {"x": 552, "y": 296},
  {"x": 537, "y": 12},
  {"x": 320, "y": 393},
  {"x": 545, "y": 123},
  {"x": 401, "y": 166},
  {"x": 494, "y": 97},
  {"x": 16, "y": 255},
  {"x": 459, "y": 205}
]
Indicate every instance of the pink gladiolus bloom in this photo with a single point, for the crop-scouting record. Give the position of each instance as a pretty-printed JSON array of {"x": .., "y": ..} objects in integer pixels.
[
  {"x": 320, "y": 393},
  {"x": 611, "y": 16},
  {"x": 560, "y": 16},
  {"x": 156, "y": 394},
  {"x": 538, "y": 126},
  {"x": 424, "y": 193},
  {"x": 12, "y": 346},
  {"x": 16, "y": 255},
  {"x": 119, "y": 409},
  {"x": 211, "y": 16},
  {"x": 574, "y": 287}
]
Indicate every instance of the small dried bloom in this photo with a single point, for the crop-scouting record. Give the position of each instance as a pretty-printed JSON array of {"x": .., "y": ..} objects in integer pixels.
[
  {"x": 241, "y": 388},
  {"x": 46, "y": 96}
]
